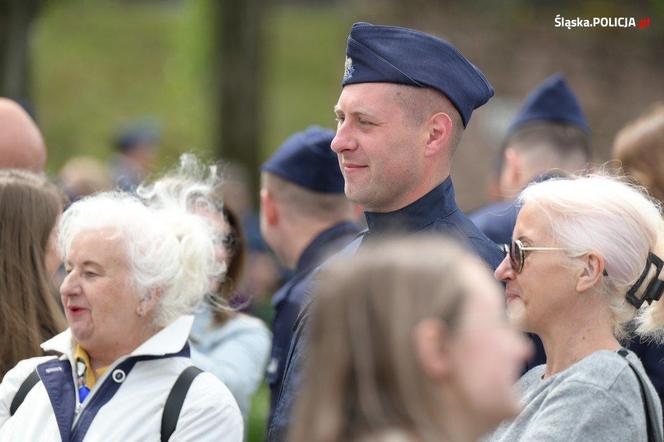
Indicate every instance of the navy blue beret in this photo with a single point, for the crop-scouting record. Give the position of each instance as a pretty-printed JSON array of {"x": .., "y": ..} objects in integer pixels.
[
  {"x": 388, "y": 54},
  {"x": 551, "y": 101},
  {"x": 307, "y": 160}
]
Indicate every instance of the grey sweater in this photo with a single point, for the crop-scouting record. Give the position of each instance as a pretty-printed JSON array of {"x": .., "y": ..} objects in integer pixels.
[{"x": 596, "y": 399}]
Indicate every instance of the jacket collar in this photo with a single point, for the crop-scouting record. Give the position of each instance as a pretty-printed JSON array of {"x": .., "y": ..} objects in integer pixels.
[
  {"x": 438, "y": 203},
  {"x": 168, "y": 340},
  {"x": 316, "y": 251}
]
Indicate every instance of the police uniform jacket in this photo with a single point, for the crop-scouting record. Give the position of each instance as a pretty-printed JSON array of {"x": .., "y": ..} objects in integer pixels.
[
  {"x": 436, "y": 211},
  {"x": 287, "y": 301}
]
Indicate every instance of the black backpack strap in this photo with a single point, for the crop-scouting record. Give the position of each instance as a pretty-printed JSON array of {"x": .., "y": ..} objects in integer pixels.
[
  {"x": 23, "y": 391},
  {"x": 175, "y": 399},
  {"x": 653, "y": 434}
]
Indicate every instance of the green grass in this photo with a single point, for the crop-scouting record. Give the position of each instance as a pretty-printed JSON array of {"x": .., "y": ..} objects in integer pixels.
[{"x": 260, "y": 409}]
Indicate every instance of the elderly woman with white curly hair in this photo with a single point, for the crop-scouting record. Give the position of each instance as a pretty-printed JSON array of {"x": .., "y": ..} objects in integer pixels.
[
  {"x": 134, "y": 276},
  {"x": 583, "y": 263}
]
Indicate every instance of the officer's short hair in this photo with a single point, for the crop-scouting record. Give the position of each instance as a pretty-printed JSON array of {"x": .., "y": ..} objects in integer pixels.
[
  {"x": 562, "y": 146},
  {"x": 303, "y": 202},
  {"x": 420, "y": 103}
]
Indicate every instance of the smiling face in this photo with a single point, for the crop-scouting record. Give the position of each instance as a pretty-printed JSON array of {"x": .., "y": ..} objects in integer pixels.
[
  {"x": 545, "y": 289},
  {"x": 380, "y": 148},
  {"x": 101, "y": 303}
]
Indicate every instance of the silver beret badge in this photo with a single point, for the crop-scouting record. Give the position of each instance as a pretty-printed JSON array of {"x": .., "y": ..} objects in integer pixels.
[{"x": 348, "y": 69}]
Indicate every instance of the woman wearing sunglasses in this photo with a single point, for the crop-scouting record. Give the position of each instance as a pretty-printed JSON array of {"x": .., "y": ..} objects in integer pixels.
[{"x": 584, "y": 258}]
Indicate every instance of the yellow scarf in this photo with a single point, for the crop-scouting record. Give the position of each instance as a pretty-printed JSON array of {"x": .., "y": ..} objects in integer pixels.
[{"x": 85, "y": 374}]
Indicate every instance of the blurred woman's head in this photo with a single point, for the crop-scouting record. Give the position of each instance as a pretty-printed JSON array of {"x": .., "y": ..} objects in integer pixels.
[
  {"x": 599, "y": 231},
  {"x": 639, "y": 147},
  {"x": 408, "y": 335},
  {"x": 131, "y": 269},
  {"x": 29, "y": 208}
]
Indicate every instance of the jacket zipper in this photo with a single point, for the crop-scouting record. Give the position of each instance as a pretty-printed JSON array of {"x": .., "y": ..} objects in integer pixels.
[{"x": 81, "y": 408}]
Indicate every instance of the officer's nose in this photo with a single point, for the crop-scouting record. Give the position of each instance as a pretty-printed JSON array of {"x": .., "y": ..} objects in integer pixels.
[{"x": 343, "y": 139}]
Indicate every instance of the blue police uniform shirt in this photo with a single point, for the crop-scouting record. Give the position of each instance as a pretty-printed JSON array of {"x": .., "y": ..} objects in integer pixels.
[
  {"x": 287, "y": 301},
  {"x": 436, "y": 211}
]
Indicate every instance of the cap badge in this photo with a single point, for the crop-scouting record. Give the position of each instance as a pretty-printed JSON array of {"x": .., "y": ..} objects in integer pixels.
[{"x": 348, "y": 69}]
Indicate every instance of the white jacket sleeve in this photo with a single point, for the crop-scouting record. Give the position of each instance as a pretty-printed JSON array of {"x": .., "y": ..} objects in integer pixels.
[{"x": 12, "y": 382}]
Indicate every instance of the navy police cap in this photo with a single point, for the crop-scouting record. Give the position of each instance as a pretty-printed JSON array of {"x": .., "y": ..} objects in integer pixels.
[
  {"x": 306, "y": 159},
  {"x": 552, "y": 101},
  {"x": 389, "y": 54}
]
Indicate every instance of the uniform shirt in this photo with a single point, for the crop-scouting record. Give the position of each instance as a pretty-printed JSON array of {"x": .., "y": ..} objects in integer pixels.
[
  {"x": 287, "y": 301},
  {"x": 496, "y": 221},
  {"x": 434, "y": 212}
]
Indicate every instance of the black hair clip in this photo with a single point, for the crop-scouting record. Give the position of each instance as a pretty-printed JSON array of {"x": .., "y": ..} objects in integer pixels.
[{"x": 654, "y": 290}]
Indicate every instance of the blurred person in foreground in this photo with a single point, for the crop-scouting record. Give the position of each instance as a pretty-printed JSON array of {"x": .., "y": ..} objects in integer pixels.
[
  {"x": 422, "y": 350},
  {"x": 305, "y": 217},
  {"x": 548, "y": 137},
  {"x": 584, "y": 258},
  {"x": 231, "y": 345},
  {"x": 29, "y": 210},
  {"x": 407, "y": 97},
  {"x": 134, "y": 276},
  {"x": 21, "y": 143},
  {"x": 639, "y": 147}
]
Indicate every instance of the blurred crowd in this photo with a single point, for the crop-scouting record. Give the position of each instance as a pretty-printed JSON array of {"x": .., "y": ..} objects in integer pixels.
[{"x": 137, "y": 304}]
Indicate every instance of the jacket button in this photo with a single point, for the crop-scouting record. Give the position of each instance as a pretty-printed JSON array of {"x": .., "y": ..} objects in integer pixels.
[{"x": 118, "y": 375}]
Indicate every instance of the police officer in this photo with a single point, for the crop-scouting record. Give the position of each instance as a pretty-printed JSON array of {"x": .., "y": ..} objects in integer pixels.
[
  {"x": 549, "y": 136},
  {"x": 304, "y": 217},
  {"x": 406, "y": 99}
]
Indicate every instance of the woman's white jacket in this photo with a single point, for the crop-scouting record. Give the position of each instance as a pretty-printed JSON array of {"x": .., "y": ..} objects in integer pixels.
[{"x": 130, "y": 396}]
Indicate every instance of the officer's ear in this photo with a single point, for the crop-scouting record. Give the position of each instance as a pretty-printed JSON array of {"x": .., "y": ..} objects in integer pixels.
[
  {"x": 439, "y": 134},
  {"x": 269, "y": 209}
]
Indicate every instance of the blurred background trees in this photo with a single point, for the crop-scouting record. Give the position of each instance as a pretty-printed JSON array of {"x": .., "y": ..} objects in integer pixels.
[
  {"x": 16, "y": 20},
  {"x": 232, "y": 79}
]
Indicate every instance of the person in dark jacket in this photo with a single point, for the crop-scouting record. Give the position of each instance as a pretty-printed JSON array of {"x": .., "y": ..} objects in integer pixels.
[
  {"x": 406, "y": 99},
  {"x": 304, "y": 217}
]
